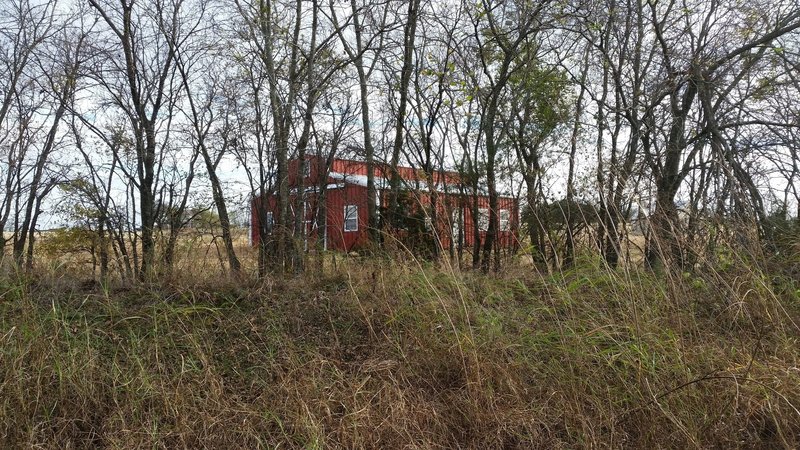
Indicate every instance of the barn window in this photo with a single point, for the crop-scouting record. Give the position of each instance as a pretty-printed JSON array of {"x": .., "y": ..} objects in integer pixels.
[
  {"x": 505, "y": 220},
  {"x": 270, "y": 222},
  {"x": 351, "y": 218},
  {"x": 483, "y": 219},
  {"x": 306, "y": 168}
]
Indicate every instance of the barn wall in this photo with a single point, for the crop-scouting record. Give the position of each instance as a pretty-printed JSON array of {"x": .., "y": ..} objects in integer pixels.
[
  {"x": 338, "y": 239},
  {"x": 270, "y": 204},
  {"x": 447, "y": 213},
  {"x": 448, "y": 206},
  {"x": 314, "y": 171}
]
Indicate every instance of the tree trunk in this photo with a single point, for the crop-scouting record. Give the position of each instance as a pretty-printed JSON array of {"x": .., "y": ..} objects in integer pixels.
[
  {"x": 405, "y": 78},
  {"x": 222, "y": 211},
  {"x": 369, "y": 150},
  {"x": 569, "y": 254},
  {"x": 33, "y": 202},
  {"x": 147, "y": 207},
  {"x": 665, "y": 217}
]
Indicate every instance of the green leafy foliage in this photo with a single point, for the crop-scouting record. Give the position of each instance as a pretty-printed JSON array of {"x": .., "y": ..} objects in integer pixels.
[
  {"x": 412, "y": 224},
  {"x": 69, "y": 241}
]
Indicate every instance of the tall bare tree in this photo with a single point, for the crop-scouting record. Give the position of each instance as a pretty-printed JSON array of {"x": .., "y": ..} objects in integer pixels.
[{"x": 137, "y": 72}]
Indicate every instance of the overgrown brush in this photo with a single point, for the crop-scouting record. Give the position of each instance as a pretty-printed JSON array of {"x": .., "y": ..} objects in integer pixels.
[{"x": 388, "y": 356}]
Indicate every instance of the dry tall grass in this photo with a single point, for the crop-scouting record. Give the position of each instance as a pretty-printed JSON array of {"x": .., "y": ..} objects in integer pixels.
[{"x": 387, "y": 355}]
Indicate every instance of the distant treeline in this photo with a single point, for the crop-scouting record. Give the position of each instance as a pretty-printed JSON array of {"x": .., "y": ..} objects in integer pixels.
[{"x": 675, "y": 121}]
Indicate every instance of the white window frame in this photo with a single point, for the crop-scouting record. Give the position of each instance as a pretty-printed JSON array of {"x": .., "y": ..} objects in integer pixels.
[
  {"x": 505, "y": 222},
  {"x": 483, "y": 219},
  {"x": 350, "y": 214}
]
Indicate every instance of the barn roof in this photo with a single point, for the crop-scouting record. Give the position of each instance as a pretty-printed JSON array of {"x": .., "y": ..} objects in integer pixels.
[
  {"x": 360, "y": 180},
  {"x": 383, "y": 183}
]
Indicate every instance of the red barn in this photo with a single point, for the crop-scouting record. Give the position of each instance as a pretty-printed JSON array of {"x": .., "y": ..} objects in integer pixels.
[{"x": 341, "y": 192}]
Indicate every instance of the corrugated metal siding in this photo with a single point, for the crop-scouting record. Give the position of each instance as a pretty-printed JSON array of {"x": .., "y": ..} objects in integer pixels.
[
  {"x": 505, "y": 239},
  {"x": 271, "y": 204},
  {"x": 448, "y": 206},
  {"x": 255, "y": 222},
  {"x": 447, "y": 211},
  {"x": 337, "y": 199}
]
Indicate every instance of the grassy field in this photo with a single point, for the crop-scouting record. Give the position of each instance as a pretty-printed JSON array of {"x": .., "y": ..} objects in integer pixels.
[{"x": 381, "y": 354}]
